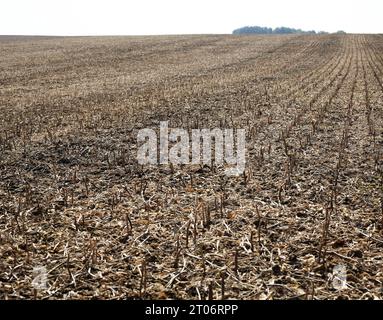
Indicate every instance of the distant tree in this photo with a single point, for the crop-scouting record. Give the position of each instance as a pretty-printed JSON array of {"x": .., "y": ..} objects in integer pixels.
[
  {"x": 253, "y": 30},
  {"x": 265, "y": 30},
  {"x": 284, "y": 30},
  {"x": 341, "y": 32}
]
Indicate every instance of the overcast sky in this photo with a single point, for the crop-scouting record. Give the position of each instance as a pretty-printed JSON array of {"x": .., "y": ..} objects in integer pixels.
[{"x": 141, "y": 17}]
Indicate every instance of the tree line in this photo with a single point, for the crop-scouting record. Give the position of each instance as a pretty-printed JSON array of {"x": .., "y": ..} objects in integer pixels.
[{"x": 279, "y": 30}]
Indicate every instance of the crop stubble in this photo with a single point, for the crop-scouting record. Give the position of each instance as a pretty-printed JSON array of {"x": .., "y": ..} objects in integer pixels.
[{"x": 74, "y": 199}]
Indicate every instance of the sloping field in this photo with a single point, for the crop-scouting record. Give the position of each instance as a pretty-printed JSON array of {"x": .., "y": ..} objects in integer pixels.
[{"x": 75, "y": 201}]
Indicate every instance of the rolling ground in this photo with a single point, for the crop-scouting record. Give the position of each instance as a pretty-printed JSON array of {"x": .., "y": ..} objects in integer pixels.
[{"x": 74, "y": 200}]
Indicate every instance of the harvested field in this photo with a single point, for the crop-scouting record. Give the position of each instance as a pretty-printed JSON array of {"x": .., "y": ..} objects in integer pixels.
[{"x": 73, "y": 198}]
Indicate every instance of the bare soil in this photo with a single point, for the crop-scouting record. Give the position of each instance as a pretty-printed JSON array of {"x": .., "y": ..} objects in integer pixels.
[{"x": 73, "y": 198}]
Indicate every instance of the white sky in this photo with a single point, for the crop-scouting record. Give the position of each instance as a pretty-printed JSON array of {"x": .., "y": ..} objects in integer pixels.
[{"x": 140, "y": 17}]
